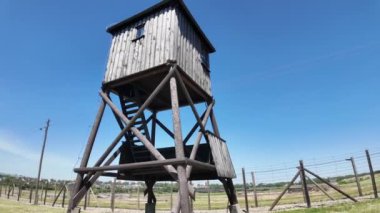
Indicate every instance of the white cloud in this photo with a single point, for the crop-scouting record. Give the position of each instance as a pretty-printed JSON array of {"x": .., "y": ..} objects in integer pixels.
[
  {"x": 12, "y": 145},
  {"x": 54, "y": 164}
]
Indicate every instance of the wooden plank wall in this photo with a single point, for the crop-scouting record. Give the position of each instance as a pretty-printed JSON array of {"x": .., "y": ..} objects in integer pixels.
[
  {"x": 221, "y": 156},
  {"x": 189, "y": 49},
  {"x": 127, "y": 57},
  {"x": 168, "y": 36}
]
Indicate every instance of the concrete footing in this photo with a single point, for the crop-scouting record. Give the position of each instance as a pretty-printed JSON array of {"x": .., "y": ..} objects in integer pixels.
[
  {"x": 235, "y": 208},
  {"x": 76, "y": 210}
]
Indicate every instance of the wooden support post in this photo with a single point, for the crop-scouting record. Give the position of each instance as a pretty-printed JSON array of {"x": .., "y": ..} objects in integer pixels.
[
  {"x": 245, "y": 191},
  {"x": 254, "y": 189},
  {"x": 30, "y": 194},
  {"x": 9, "y": 191},
  {"x": 228, "y": 183},
  {"x": 356, "y": 175},
  {"x": 283, "y": 192},
  {"x": 46, "y": 190},
  {"x": 42, "y": 191},
  {"x": 19, "y": 193},
  {"x": 319, "y": 187},
  {"x": 179, "y": 149},
  {"x": 304, "y": 185},
  {"x": 138, "y": 197},
  {"x": 232, "y": 191},
  {"x": 113, "y": 195},
  {"x": 208, "y": 195},
  {"x": 372, "y": 174},
  {"x": 85, "y": 201},
  {"x": 171, "y": 195},
  {"x": 89, "y": 197},
  {"x": 64, "y": 196},
  {"x": 150, "y": 206},
  {"x": 214, "y": 124},
  {"x": 332, "y": 186},
  {"x": 55, "y": 189},
  {"x": 87, "y": 153}
]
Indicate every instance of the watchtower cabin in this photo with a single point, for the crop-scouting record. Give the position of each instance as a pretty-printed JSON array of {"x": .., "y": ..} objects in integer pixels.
[{"x": 158, "y": 60}]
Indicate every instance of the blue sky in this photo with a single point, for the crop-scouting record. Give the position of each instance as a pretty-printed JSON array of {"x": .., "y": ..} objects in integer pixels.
[{"x": 293, "y": 79}]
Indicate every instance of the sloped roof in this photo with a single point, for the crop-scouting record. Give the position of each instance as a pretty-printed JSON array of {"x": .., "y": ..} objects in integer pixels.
[{"x": 165, "y": 3}]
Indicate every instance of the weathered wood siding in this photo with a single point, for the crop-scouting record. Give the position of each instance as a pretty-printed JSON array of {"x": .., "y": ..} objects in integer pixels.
[
  {"x": 127, "y": 57},
  {"x": 168, "y": 36},
  {"x": 189, "y": 48},
  {"x": 221, "y": 156}
]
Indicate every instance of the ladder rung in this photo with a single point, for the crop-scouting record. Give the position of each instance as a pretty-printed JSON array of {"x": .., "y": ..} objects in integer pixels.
[
  {"x": 130, "y": 105},
  {"x": 132, "y": 111}
]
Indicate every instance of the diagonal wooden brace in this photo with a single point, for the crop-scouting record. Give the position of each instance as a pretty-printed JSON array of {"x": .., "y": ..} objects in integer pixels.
[
  {"x": 195, "y": 127},
  {"x": 139, "y": 135},
  {"x": 163, "y": 127},
  {"x": 117, "y": 139},
  {"x": 90, "y": 180},
  {"x": 199, "y": 137},
  {"x": 188, "y": 97}
]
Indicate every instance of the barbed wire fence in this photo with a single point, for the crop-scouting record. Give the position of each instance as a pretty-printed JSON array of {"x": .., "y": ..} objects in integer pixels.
[{"x": 261, "y": 189}]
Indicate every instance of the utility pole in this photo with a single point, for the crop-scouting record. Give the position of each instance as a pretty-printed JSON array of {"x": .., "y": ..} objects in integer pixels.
[{"x": 41, "y": 158}]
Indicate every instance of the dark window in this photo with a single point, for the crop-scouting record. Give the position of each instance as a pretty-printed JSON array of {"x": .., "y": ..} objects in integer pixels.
[
  {"x": 139, "y": 32},
  {"x": 205, "y": 60}
]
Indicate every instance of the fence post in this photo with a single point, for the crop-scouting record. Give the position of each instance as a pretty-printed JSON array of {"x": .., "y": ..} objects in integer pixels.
[
  {"x": 254, "y": 189},
  {"x": 46, "y": 189},
  {"x": 304, "y": 185},
  {"x": 356, "y": 175},
  {"x": 208, "y": 195},
  {"x": 19, "y": 193},
  {"x": 42, "y": 191},
  {"x": 55, "y": 189},
  {"x": 30, "y": 194},
  {"x": 113, "y": 195},
  {"x": 85, "y": 201},
  {"x": 1, "y": 189},
  {"x": 89, "y": 197},
  {"x": 138, "y": 196},
  {"x": 171, "y": 195},
  {"x": 64, "y": 196},
  {"x": 372, "y": 174},
  {"x": 245, "y": 192},
  {"x": 9, "y": 189}
]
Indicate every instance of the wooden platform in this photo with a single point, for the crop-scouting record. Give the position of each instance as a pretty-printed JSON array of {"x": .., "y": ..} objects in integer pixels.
[
  {"x": 146, "y": 81},
  {"x": 203, "y": 167}
]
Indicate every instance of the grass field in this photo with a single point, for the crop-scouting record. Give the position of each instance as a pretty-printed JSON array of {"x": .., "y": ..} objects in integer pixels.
[
  {"x": 135, "y": 201},
  {"x": 372, "y": 206},
  {"x": 12, "y": 206}
]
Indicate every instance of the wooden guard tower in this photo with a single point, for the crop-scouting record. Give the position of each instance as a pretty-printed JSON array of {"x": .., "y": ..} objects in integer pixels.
[{"x": 159, "y": 60}]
